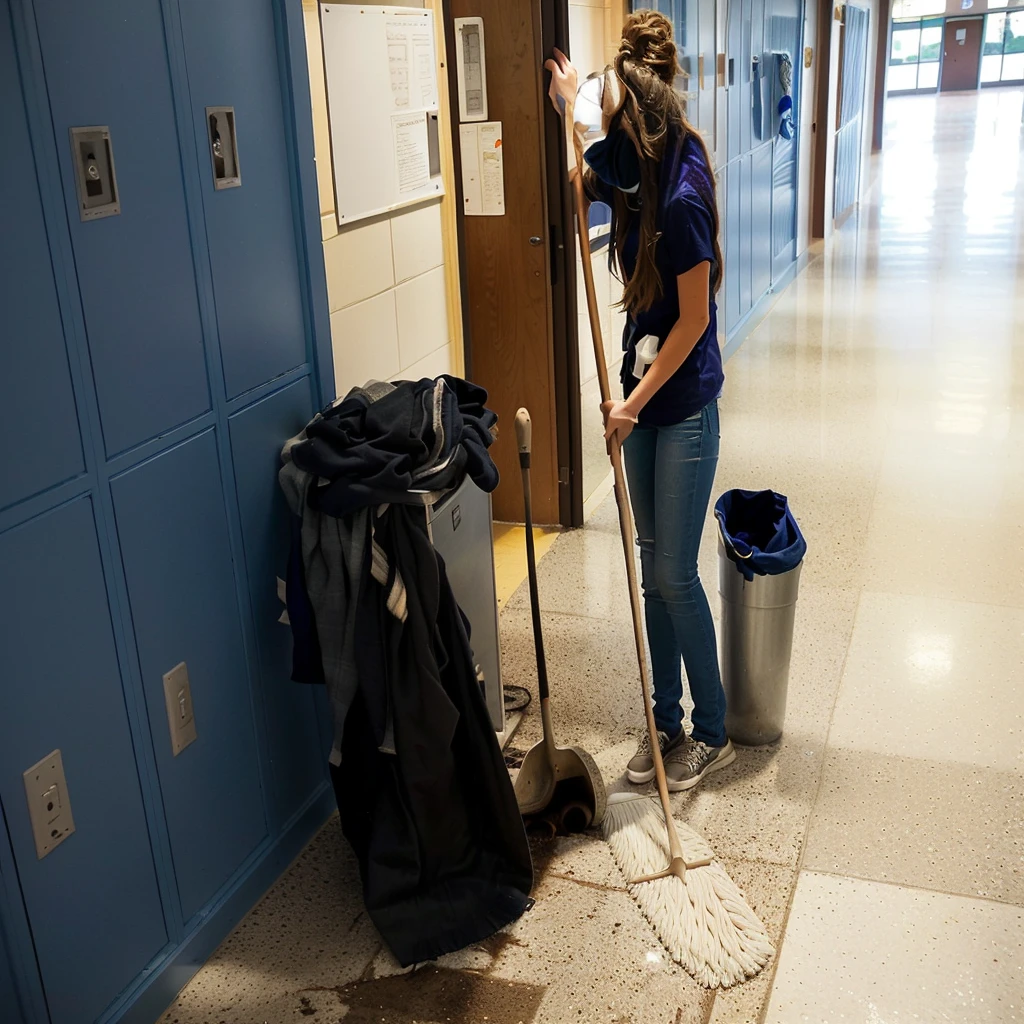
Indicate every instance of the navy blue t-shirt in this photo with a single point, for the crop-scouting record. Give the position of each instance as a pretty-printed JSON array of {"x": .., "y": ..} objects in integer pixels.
[{"x": 687, "y": 239}]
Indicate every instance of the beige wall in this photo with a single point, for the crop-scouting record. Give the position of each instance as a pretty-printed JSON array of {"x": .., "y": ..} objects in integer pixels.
[{"x": 389, "y": 278}]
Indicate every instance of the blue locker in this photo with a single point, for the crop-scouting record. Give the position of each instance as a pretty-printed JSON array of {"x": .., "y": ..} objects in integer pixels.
[
  {"x": 706, "y": 27},
  {"x": 93, "y": 901},
  {"x": 175, "y": 549},
  {"x": 761, "y": 227},
  {"x": 34, "y": 377},
  {"x": 686, "y": 31},
  {"x": 114, "y": 325},
  {"x": 293, "y": 736},
  {"x": 231, "y": 58},
  {"x": 745, "y": 74},
  {"x": 734, "y": 79},
  {"x": 729, "y": 204},
  {"x": 8, "y": 993},
  {"x": 746, "y": 238},
  {"x": 760, "y": 86},
  {"x": 135, "y": 269},
  {"x": 784, "y": 34}
]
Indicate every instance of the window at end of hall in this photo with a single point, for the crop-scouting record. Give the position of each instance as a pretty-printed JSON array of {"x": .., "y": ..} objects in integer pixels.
[
  {"x": 916, "y": 49},
  {"x": 1002, "y": 52}
]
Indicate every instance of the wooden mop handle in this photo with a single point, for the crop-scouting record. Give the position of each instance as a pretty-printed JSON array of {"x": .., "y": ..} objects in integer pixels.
[{"x": 575, "y": 148}]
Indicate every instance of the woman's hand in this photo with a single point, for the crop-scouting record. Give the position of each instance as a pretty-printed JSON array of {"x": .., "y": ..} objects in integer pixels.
[
  {"x": 618, "y": 421},
  {"x": 564, "y": 80}
]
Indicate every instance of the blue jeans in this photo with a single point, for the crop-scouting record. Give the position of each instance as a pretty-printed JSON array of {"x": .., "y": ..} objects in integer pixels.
[{"x": 671, "y": 471}]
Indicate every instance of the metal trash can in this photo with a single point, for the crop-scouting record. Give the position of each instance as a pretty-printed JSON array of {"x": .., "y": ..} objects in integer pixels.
[{"x": 760, "y": 554}]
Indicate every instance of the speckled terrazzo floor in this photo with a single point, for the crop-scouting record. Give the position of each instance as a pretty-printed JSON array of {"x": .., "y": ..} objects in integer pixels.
[{"x": 882, "y": 840}]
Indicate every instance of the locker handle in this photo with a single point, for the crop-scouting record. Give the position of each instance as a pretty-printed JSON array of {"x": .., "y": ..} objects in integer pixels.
[{"x": 732, "y": 71}]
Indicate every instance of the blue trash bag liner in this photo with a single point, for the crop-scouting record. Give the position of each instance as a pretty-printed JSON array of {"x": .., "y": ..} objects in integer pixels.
[{"x": 759, "y": 532}]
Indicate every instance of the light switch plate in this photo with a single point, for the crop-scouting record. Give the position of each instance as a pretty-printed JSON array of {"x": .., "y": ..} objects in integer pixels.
[
  {"x": 180, "y": 718},
  {"x": 49, "y": 808}
]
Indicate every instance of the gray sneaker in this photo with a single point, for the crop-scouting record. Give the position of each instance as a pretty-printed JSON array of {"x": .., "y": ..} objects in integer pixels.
[
  {"x": 641, "y": 765},
  {"x": 688, "y": 763}
]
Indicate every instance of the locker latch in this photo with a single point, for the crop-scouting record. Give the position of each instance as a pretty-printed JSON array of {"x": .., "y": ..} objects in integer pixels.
[
  {"x": 223, "y": 147},
  {"x": 94, "y": 172}
]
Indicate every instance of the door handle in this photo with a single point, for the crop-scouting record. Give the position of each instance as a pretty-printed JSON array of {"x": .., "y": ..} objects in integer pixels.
[{"x": 536, "y": 240}]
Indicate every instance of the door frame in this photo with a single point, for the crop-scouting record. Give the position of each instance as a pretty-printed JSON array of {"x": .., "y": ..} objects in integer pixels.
[
  {"x": 549, "y": 22},
  {"x": 561, "y": 219},
  {"x": 820, "y": 221}
]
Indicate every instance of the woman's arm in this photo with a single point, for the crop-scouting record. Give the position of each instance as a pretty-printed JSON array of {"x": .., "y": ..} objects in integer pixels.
[
  {"x": 694, "y": 316},
  {"x": 562, "y": 89}
]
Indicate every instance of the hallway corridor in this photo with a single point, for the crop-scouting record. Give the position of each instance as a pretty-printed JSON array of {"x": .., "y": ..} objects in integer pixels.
[
  {"x": 882, "y": 840},
  {"x": 885, "y": 395}
]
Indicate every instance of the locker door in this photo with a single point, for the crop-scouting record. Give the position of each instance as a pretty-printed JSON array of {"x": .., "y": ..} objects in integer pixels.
[
  {"x": 231, "y": 57},
  {"x": 734, "y": 77},
  {"x": 62, "y": 690},
  {"x": 292, "y": 728},
  {"x": 8, "y": 995},
  {"x": 176, "y": 552},
  {"x": 706, "y": 72},
  {"x": 34, "y": 374},
  {"x": 687, "y": 33},
  {"x": 729, "y": 204},
  {"x": 761, "y": 182},
  {"x": 785, "y": 27},
  {"x": 759, "y": 81},
  {"x": 744, "y": 74},
  {"x": 135, "y": 269},
  {"x": 746, "y": 237}
]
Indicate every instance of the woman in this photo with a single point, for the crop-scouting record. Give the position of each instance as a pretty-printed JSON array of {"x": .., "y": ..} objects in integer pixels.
[{"x": 654, "y": 171}]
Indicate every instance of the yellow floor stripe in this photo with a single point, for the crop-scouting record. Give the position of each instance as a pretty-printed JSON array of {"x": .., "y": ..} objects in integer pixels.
[{"x": 510, "y": 556}]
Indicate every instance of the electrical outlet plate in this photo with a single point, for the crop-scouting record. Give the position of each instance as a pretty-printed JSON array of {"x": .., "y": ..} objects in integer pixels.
[
  {"x": 49, "y": 808},
  {"x": 178, "y": 697}
]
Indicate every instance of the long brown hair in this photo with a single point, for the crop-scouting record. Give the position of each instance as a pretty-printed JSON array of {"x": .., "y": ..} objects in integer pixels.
[{"x": 653, "y": 116}]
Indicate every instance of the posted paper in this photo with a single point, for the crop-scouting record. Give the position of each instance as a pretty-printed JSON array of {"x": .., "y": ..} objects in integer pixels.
[{"x": 483, "y": 172}]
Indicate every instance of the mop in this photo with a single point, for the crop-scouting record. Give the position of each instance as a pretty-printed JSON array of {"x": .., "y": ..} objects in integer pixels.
[{"x": 694, "y": 906}]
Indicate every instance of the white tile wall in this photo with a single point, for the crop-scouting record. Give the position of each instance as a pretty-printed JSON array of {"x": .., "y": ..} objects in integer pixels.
[
  {"x": 386, "y": 287},
  {"x": 379, "y": 331},
  {"x": 359, "y": 263},
  {"x": 432, "y": 366},
  {"x": 365, "y": 342},
  {"x": 422, "y": 316},
  {"x": 416, "y": 240}
]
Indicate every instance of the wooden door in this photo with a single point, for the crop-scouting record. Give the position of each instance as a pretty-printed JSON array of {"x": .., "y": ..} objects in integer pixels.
[
  {"x": 961, "y": 54},
  {"x": 508, "y": 260}
]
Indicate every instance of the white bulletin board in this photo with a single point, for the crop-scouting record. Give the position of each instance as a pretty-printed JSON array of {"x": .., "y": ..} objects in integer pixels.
[{"x": 382, "y": 97}]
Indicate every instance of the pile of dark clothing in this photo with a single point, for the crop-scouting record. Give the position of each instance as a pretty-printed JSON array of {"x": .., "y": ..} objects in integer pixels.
[{"x": 424, "y": 794}]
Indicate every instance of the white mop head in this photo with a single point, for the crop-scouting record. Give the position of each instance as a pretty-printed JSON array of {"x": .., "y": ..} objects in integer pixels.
[{"x": 704, "y": 922}]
